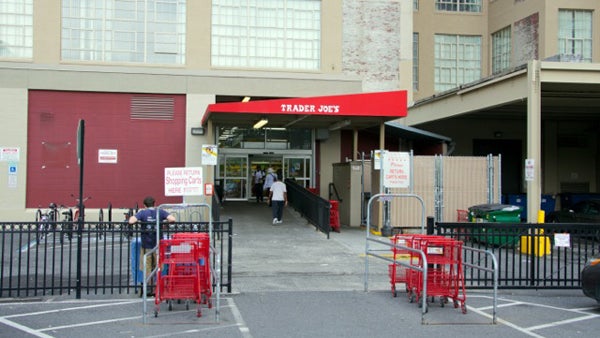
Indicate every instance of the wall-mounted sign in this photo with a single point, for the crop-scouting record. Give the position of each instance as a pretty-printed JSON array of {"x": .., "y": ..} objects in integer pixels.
[
  {"x": 529, "y": 169},
  {"x": 9, "y": 154},
  {"x": 183, "y": 182},
  {"x": 107, "y": 156},
  {"x": 209, "y": 154}
]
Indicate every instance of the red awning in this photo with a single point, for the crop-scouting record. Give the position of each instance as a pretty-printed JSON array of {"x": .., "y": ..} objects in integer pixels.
[{"x": 356, "y": 110}]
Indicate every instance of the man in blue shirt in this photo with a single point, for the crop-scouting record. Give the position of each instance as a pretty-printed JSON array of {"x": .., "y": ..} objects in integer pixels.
[{"x": 147, "y": 218}]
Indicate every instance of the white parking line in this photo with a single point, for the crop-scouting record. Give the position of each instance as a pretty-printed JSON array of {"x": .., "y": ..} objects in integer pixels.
[
  {"x": 70, "y": 309},
  {"x": 562, "y": 322},
  {"x": 237, "y": 315},
  {"x": 529, "y": 330},
  {"x": 23, "y": 328}
]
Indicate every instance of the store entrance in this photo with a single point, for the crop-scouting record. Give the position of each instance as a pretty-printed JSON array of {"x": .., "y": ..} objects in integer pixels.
[{"x": 264, "y": 163}]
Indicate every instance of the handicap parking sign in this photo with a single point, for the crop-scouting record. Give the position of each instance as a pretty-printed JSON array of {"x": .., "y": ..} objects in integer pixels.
[{"x": 12, "y": 169}]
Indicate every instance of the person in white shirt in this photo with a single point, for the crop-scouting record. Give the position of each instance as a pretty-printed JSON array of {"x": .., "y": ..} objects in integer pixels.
[{"x": 278, "y": 199}]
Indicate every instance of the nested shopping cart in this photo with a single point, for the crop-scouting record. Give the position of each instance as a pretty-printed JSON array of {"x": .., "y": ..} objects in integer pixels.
[
  {"x": 185, "y": 273},
  {"x": 445, "y": 276},
  {"x": 398, "y": 273}
]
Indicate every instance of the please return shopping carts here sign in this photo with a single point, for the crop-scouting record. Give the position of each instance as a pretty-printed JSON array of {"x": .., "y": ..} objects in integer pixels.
[
  {"x": 396, "y": 169},
  {"x": 183, "y": 182}
]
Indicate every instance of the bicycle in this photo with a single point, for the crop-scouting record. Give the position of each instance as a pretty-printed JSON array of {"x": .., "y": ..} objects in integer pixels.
[
  {"x": 126, "y": 228},
  {"x": 70, "y": 218},
  {"x": 45, "y": 222}
]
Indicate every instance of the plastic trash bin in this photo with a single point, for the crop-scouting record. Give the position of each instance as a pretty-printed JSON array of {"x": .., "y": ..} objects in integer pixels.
[{"x": 496, "y": 213}]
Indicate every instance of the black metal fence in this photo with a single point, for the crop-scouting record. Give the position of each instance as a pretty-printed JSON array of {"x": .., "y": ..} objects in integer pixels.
[
  {"x": 311, "y": 206},
  {"x": 36, "y": 262},
  {"x": 535, "y": 256}
]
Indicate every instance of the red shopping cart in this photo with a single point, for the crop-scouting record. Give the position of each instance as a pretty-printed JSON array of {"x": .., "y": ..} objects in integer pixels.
[
  {"x": 185, "y": 271},
  {"x": 445, "y": 276},
  {"x": 398, "y": 272}
]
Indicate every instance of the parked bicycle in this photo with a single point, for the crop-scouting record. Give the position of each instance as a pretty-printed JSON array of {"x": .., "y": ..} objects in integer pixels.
[
  {"x": 45, "y": 222},
  {"x": 71, "y": 220},
  {"x": 126, "y": 228}
]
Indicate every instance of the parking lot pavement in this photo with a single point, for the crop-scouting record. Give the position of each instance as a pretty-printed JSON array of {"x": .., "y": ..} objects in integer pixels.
[
  {"x": 291, "y": 281},
  {"x": 522, "y": 313}
]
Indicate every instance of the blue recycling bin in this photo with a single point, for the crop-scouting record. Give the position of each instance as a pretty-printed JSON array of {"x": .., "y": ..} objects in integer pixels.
[
  {"x": 137, "y": 275},
  {"x": 547, "y": 203}
]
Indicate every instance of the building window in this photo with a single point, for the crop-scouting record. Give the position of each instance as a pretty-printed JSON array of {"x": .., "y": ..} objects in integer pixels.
[
  {"x": 501, "y": 50},
  {"x": 415, "y": 61},
  {"x": 267, "y": 34},
  {"x": 16, "y": 28},
  {"x": 575, "y": 35},
  {"x": 458, "y": 5},
  {"x": 457, "y": 60},
  {"x": 415, "y": 5},
  {"x": 141, "y": 31}
]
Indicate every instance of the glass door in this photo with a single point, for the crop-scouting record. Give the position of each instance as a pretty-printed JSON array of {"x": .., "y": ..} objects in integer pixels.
[
  {"x": 232, "y": 176},
  {"x": 299, "y": 169}
]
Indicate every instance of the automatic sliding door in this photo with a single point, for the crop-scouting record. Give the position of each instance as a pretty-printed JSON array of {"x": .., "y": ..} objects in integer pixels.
[{"x": 233, "y": 172}]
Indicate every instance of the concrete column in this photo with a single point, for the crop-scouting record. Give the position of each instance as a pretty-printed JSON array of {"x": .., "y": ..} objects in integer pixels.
[{"x": 534, "y": 139}]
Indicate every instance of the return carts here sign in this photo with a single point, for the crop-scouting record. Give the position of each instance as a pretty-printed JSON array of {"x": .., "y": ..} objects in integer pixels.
[
  {"x": 183, "y": 182},
  {"x": 396, "y": 169}
]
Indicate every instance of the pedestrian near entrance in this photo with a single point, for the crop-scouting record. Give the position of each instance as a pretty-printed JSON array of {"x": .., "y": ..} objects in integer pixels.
[
  {"x": 259, "y": 174},
  {"x": 147, "y": 217},
  {"x": 269, "y": 179},
  {"x": 278, "y": 199}
]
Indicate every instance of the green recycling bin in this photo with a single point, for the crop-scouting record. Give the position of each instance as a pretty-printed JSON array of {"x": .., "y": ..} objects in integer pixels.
[{"x": 496, "y": 213}]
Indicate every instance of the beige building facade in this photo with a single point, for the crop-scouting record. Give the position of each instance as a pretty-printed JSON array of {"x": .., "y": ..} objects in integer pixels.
[
  {"x": 176, "y": 48},
  {"x": 467, "y": 67},
  {"x": 536, "y": 100}
]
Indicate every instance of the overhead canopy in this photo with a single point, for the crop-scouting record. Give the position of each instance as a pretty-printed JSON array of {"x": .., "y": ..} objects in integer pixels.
[{"x": 345, "y": 111}]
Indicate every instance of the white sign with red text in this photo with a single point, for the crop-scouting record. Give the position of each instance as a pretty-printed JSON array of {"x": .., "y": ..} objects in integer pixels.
[
  {"x": 9, "y": 154},
  {"x": 183, "y": 182},
  {"x": 396, "y": 170},
  {"x": 107, "y": 156}
]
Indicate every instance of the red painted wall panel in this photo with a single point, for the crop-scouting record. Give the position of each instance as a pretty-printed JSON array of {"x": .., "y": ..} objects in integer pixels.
[{"x": 145, "y": 148}]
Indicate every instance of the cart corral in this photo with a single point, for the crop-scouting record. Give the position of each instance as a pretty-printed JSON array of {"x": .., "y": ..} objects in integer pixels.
[
  {"x": 187, "y": 266},
  {"x": 428, "y": 265}
]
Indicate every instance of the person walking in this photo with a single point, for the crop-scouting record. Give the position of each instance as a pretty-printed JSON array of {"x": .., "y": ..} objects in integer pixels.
[
  {"x": 269, "y": 179},
  {"x": 278, "y": 199},
  {"x": 259, "y": 174},
  {"x": 147, "y": 217}
]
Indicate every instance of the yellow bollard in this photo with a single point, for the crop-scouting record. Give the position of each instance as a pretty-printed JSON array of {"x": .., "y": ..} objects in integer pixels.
[{"x": 541, "y": 244}]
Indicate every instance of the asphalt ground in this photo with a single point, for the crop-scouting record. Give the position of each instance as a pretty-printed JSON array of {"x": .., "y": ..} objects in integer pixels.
[{"x": 292, "y": 281}]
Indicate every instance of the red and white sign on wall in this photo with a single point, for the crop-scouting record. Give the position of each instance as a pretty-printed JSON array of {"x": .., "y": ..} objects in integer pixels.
[
  {"x": 396, "y": 169},
  {"x": 183, "y": 182},
  {"x": 107, "y": 156}
]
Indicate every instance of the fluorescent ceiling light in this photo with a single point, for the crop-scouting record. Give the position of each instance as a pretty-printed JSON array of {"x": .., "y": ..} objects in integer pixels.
[
  {"x": 339, "y": 125},
  {"x": 260, "y": 123}
]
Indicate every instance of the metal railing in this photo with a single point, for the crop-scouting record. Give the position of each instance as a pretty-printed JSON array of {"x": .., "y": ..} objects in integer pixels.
[
  {"x": 535, "y": 256},
  {"x": 109, "y": 259},
  {"x": 312, "y": 207}
]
